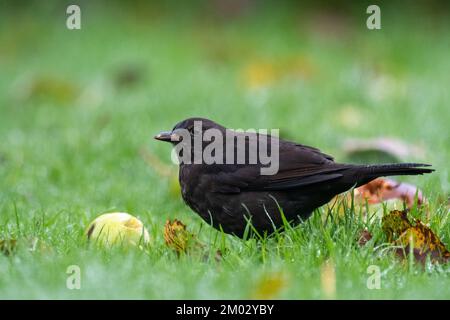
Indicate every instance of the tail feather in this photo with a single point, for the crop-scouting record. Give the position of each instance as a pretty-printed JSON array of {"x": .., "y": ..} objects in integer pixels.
[{"x": 367, "y": 173}]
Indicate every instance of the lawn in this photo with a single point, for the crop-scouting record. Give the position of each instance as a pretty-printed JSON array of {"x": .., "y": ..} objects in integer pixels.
[{"x": 79, "y": 108}]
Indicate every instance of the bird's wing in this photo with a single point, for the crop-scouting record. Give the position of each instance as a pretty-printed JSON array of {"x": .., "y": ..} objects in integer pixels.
[
  {"x": 313, "y": 150},
  {"x": 299, "y": 166}
]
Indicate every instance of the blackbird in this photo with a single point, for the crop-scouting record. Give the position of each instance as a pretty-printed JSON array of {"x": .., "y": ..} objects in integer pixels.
[{"x": 231, "y": 196}]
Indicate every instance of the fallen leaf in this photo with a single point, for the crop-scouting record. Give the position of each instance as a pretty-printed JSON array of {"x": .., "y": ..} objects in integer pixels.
[
  {"x": 48, "y": 88},
  {"x": 128, "y": 76},
  {"x": 394, "y": 224},
  {"x": 38, "y": 245},
  {"x": 8, "y": 246},
  {"x": 176, "y": 236},
  {"x": 423, "y": 243},
  {"x": 269, "y": 286},
  {"x": 383, "y": 189},
  {"x": 391, "y": 193},
  {"x": 413, "y": 237},
  {"x": 218, "y": 256},
  {"x": 328, "y": 23},
  {"x": 364, "y": 237}
]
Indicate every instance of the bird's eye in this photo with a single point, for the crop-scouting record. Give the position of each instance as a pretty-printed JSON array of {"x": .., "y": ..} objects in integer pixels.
[{"x": 193, "y": 130}]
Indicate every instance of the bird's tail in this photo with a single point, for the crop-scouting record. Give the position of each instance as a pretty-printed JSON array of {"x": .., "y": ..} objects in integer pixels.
[{"x": 366, "y": 173}]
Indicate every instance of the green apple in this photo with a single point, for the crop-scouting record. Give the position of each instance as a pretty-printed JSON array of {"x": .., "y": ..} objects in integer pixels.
[{"x": 117, "y": 228}]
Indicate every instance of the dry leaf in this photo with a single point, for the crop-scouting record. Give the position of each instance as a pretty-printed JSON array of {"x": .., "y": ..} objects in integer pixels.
[
  {"x": 38, "y": 245},
  {"x": 328, "y": 24},
  {"x": 424, "y": 243},
  {"x": 8, "y": 246},
  {"x": 364, "y": 237},
  {"x": 176, "y": 236},
  {"x": 49, "y": 88},
  {"x": 394, "y": 224},
  {"x": 218, "y": 256},
  {"x": 390, "y": 192},
  {"x": 128, "y": 76},
  {"x": 383, "y": 189},
  {"x": 415, "y": 237}
]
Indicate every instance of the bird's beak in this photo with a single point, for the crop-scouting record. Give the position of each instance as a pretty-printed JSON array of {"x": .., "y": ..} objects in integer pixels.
[{"x": 168, "y": 136}]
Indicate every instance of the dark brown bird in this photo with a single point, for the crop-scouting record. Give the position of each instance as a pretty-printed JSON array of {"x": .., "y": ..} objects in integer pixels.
[{"x": 229, "y": 196}]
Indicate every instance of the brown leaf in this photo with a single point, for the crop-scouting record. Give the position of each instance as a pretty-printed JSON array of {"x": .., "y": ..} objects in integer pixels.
[
  {"x": 413, "y": 237},
  {"x": 128, "y": 76},
  {"x": 394, "y": 224},
  {"x": 329, "y": 24},
  {"x": 364, "y": 237},
  {"x": 176, "y": 236},
  {"x": 424, "y": 243},
  {"x": 8, "y": 246},
  {"x": 387, "y": 191},
  {"x": 383, "y": 189},
  {"x": 218, "y": 256}
]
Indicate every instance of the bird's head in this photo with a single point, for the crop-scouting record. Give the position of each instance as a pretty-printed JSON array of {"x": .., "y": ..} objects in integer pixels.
[
  {"x": 188, "y": 128},
  {"x": 202, "y": 141}
]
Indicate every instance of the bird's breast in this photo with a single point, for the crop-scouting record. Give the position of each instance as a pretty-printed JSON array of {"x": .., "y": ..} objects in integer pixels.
[{"x": 189, "y": 180}]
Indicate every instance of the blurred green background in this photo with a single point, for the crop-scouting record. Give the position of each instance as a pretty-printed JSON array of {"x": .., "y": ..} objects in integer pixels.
[{"x": 79, "y": 108}]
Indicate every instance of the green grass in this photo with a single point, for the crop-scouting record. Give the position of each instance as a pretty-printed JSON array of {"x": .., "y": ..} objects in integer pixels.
[{"x": 67, "y": 157}]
